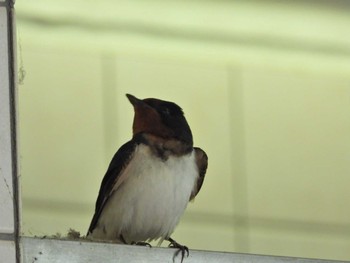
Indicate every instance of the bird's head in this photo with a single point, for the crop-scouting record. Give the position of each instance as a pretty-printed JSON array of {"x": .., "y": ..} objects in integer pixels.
[{"x": 160, "y": 118}]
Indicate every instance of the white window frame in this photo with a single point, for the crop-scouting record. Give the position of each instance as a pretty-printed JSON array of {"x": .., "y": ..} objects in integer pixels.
[
  {"x": 29, "y": 249},
  {"x": 9, "y": 202}
]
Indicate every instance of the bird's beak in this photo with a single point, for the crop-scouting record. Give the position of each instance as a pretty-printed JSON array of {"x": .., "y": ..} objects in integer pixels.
[
  {"x": 146, "y": 118},
  {"x": 133, "y": 100}
]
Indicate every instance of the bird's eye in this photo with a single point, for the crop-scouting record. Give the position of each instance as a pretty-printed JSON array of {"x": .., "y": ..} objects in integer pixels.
[{"x": 166, "y": 111}]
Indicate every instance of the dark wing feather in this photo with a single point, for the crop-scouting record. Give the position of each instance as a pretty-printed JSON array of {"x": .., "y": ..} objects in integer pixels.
[
  {"x": 119, "y": 161},
  {"x": 202, "y": 164}
]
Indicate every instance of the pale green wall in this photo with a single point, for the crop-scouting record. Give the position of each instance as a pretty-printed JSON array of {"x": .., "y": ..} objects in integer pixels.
[{"x": 270, "y": 107}]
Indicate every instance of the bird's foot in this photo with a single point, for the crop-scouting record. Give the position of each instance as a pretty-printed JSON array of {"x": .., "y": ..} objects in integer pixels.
[
  {"x": 180, "y": 248},
  {"x": 138, "y": 243},
  {"x": 141, "y": 243}
]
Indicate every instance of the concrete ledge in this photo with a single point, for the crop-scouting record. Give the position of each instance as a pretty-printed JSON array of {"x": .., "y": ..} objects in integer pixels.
[{"x": 35, "y": 250}]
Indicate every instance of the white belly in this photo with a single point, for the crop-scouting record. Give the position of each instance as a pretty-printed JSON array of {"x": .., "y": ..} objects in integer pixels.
[{"x": 149, "y": 203}]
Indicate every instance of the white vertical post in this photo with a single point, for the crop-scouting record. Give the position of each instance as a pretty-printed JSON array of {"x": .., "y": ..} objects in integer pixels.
[{"x": 9, "y": 219}]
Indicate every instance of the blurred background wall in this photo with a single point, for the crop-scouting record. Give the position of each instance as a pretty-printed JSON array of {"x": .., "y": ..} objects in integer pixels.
[{"x": 265, "y": 86}]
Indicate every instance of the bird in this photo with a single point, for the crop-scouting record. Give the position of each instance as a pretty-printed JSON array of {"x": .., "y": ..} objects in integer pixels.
[{"x": 150, "y": 179}]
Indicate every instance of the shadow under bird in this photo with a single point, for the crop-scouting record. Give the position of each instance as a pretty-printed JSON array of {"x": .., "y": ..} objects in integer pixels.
[{"x": 150, "y": 179}]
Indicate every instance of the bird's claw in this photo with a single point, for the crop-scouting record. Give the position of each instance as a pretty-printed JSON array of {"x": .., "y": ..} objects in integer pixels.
[
  {"x": 141, "y": 243},
  {"x": 181, "y": 248}
]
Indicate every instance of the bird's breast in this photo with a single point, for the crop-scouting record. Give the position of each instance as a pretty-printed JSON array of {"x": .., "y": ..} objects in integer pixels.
[{"x": 153, "y": 195}]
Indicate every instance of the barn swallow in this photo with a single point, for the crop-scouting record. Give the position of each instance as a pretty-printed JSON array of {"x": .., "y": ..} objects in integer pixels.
[{"x": 150, "y": 179}]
